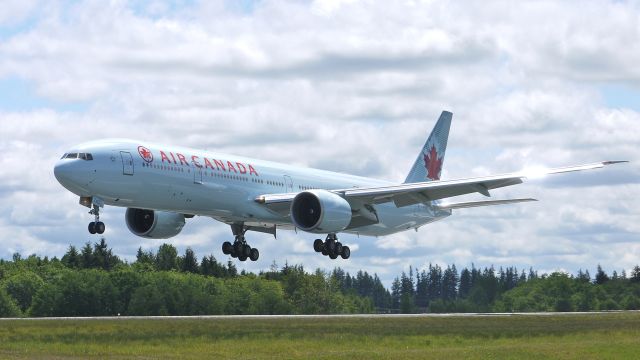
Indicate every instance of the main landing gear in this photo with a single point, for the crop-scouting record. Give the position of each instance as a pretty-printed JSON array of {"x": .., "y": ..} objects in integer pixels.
[
  {"x": 240, "y": 249},
  {"x": 332, "y": 247},
  {"x": 97, "y": 226}
]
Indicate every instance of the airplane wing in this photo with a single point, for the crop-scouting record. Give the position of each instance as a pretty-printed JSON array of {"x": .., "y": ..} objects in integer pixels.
[{"x": 424, "y": 192}]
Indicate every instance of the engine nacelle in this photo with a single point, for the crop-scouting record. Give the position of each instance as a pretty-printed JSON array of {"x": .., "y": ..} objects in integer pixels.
[
  {"x": 154, "y": 224},
  {"x": 320, "y": 211}
]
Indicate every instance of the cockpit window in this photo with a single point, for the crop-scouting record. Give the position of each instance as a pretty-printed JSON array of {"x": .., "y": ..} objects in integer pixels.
[{"x": 83, "y": 156}]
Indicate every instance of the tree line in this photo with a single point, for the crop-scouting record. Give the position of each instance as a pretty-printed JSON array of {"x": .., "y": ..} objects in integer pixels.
[{"x": 92, "y": 281}]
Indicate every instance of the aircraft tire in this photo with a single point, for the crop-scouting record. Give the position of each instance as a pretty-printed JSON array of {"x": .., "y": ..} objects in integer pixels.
[
  {"x": 330, "y": 245},
  {"x": 333, "y": 256},
  {"x": 100, "y": 227},
  {"x": 246, "y": 250},
  {"x": 92, "y": 228},
  {"x": 338, "y": 249},
  {"x": 237, "y": 249},
  {"x": 255, "y": 254},
  {"x": 318, "y": 245},
  {"x": 242, "y": 258},
  {"x": 346, "y": 252},
  {"x": 227, "y": 248}
]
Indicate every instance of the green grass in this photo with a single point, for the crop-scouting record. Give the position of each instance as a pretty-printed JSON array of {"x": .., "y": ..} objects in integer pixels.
[{"x": 576, "y": 336}]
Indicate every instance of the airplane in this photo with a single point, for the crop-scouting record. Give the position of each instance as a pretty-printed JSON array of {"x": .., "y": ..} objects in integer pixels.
[{"x": 163, "y": 185}]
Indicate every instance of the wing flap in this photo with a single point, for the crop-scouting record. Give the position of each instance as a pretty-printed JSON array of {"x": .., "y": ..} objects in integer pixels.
[{"x": 471, "y": 204}]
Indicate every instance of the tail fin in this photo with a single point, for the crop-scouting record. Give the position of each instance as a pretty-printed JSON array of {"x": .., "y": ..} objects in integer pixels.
[{"x": 428, "y": 165}]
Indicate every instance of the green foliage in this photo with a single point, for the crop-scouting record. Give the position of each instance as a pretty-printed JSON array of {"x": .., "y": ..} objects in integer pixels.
[
  {"x": 8, "y": 308},
  {"x": 167, "y": 258},
  {"x": 189, "y": 262},
  {"x": 77, "y": 293},
  {"x": 22, "y": 287},
  {"x": 94, "y": 282}
]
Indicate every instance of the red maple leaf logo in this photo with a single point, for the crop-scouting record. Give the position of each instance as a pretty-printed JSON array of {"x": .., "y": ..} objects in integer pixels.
[
  {"x": 433, "y": 163},
  {"x": 145, "y": 154}
]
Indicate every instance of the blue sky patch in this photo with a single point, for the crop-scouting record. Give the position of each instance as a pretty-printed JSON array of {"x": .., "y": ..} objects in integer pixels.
[
  {"x": 17, "y": 94},
  {"x": 620, "y": 96}
]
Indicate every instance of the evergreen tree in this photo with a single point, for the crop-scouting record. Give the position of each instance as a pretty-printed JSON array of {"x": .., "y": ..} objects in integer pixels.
[
  {"x": 434, "y": 285},
  {"x": 523, "y": 277},
  {"x": 71, "y": 258},
  {"x": 87, "y": 259},
  {"x": 583, "y": 277},
  {"x": 232, "y": 271},
  {"x": 145, "y": 257},
  {"x": 189, "y": 262},
  {"x": 635, "y": 274},
  {"x": 103, "y": 257},
  {"x": 465, "y": 283},
  {"x": 396, "y": 293},
  {"x": 422, "y": 293},
  {"x": 449, "y": 283},
  {"x": 167, "y": 258},
  {"x": 601, "y": 276}
]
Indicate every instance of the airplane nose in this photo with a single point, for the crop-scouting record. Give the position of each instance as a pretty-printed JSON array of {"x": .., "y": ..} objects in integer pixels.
[{"x": 61, "y": 172}]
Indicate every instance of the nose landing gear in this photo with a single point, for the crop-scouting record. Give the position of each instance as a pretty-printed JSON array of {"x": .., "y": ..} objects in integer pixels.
[{"x": 97, "y": 226}]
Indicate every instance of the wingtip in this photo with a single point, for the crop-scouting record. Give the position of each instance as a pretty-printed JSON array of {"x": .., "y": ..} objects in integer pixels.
[{"x": 611, "y": 162}]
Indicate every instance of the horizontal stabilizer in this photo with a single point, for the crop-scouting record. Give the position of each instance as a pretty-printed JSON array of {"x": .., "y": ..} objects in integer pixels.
[{"x": 464, "y": 205}]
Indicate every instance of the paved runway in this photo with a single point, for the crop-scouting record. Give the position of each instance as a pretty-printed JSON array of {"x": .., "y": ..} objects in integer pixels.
[{"x": 364, "y": 316}]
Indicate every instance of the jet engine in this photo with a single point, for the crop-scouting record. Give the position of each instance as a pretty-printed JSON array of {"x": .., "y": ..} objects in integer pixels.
[
  {"x": 154, "y": 224},
  {"x": 320, "y": 211}
]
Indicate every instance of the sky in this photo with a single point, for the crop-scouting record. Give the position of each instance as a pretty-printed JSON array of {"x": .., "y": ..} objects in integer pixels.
[{"x": 348, "y": 86}]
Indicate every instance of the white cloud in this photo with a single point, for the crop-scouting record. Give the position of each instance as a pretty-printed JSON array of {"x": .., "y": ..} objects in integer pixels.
[{"x": 341, "y": 85}]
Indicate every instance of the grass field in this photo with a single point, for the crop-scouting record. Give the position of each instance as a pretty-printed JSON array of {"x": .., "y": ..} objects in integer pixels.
[{"x": 576, "y": 336}]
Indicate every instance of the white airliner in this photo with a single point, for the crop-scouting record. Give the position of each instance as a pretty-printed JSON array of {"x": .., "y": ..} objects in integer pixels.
[{"x": 162, "y": 185}]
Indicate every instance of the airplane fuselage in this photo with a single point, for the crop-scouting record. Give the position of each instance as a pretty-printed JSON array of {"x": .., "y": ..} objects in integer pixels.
[{"x": 137, "y": 174}]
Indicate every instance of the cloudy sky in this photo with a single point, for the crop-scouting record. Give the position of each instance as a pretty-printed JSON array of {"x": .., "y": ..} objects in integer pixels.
[{"x": 348, "y": 86}]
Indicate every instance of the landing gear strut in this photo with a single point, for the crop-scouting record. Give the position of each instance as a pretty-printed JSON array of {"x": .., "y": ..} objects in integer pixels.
[
  {"x": 331, "y": 247},
  {"x": 240, "y": 249},
  {"x": 96, "y": 226}
]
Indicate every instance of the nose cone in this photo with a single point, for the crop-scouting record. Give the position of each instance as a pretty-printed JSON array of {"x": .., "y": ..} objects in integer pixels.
[
  {"x": 70, "y": 174},
  {"x": 61, "y": 172}
]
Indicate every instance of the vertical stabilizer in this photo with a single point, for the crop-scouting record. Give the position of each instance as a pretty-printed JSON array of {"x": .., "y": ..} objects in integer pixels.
[{"x": 428, "y": 165}]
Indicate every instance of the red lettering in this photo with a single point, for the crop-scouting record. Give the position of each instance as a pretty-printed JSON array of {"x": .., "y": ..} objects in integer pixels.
[
  {"x": 241, "y": 168},
  {"x": 230, "y": 166},
  {"x": 164, "y": 156},
  {"x": 182, "y": 159},
  {"x": 173, "y": 157},
  {"x": 252, "y": 170},
  {"x": 195, "y": 162},
  {"x": 208, "y": 164},
  {"x": 219, "y": 164}
]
